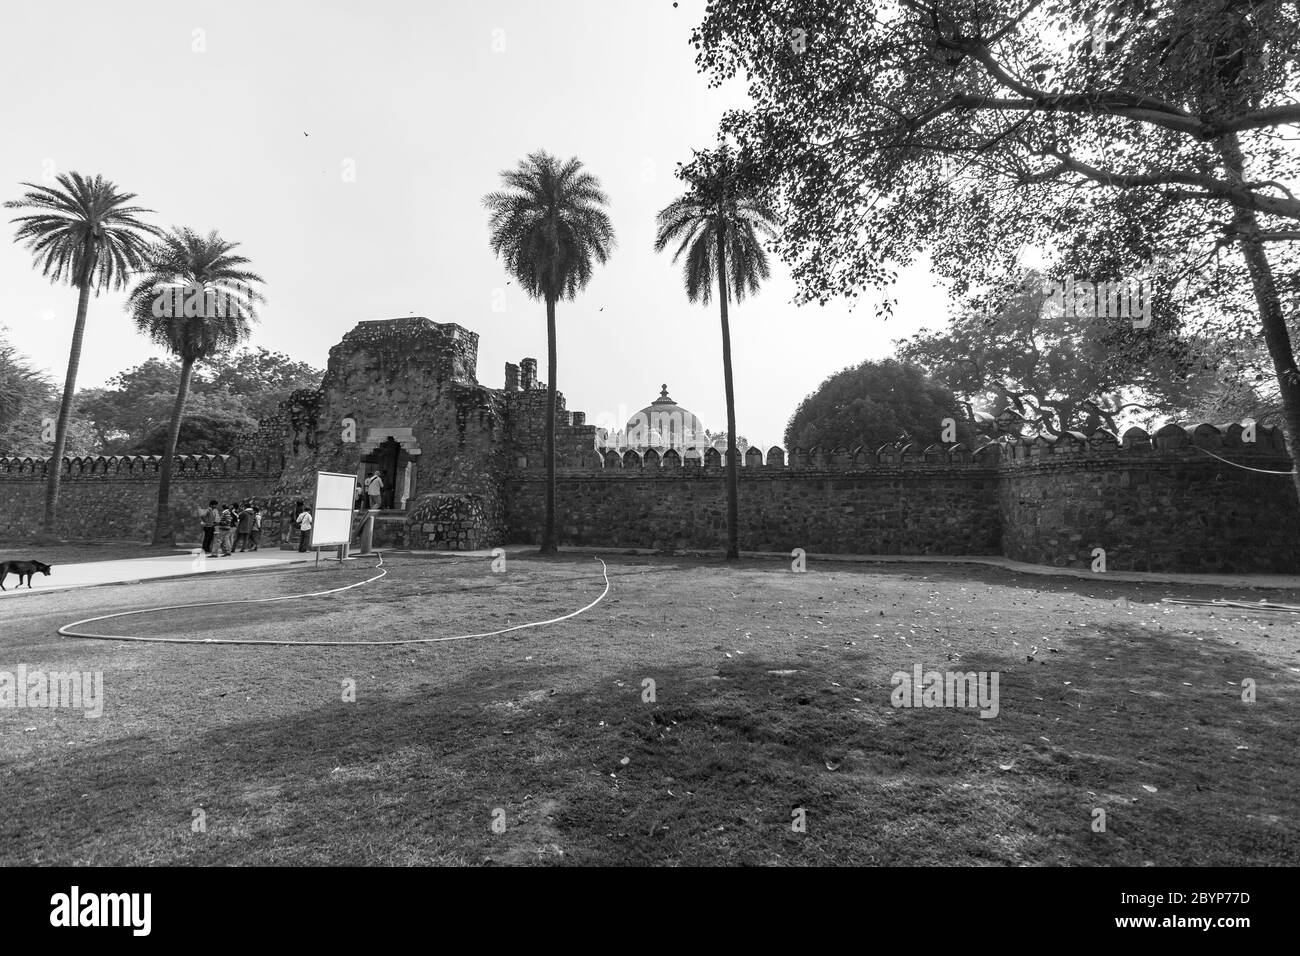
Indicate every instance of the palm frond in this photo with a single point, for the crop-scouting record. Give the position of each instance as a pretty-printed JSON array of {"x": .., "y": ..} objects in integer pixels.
[
  {"x": 83, "y": 231},
  {"x": 718, "y": 207},
  {"x": 549, "y": 226},
  {"x": 195, "y": 298}
]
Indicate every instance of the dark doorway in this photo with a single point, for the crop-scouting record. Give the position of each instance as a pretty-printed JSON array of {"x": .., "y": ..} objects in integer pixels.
[{"x": 386, "y": 459}]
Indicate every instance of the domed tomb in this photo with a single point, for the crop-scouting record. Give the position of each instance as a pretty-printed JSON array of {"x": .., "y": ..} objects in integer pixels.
[{"x": 664, "y": 424}]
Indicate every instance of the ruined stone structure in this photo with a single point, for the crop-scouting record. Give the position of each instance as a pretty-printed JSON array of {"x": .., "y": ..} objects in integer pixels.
[
  {"x": 402, "y": 397},
  {"x": 465, "y": 462}
]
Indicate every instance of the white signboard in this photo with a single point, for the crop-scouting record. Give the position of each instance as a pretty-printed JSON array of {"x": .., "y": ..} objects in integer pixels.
[{"x": 332, "y": 521}]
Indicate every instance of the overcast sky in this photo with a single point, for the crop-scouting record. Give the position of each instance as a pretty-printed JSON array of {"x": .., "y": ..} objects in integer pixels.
[{"x": 244, "y": 117}]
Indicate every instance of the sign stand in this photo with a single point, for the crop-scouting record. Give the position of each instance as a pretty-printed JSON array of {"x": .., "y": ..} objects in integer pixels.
[{"x": 332, "y": 517}]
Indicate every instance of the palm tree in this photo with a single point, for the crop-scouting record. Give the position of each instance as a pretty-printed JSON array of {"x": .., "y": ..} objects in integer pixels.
[
  {"x": 85, "y": 233},
  {"x": 198, "y": 301},
  {"x": 549, "y": 226},
  {"x": 719, "y": 221}
]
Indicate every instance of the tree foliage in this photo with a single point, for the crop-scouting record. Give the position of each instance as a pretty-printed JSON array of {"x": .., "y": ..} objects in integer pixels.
[
  {"x": 1061, "y": 369},
  {"x": 238, "y": 389},
  {"x": 874, "y": 404},
  {"x": 549, "y": 225},
  {"x": 719, "y": 224},
  {"x": 200, "y": 434},
  {"x": 971, "y": 130},
  {"x": 25, "y": 391}
]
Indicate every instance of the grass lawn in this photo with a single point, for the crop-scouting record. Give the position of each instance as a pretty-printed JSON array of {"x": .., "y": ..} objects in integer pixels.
[{"x": 772, "y": 695}]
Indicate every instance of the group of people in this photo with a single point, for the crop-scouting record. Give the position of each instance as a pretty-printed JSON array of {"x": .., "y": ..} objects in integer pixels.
[
  {"x": 231, "y": 528},
  {"x": 372, "y": 493},
  {"x": 238, "y": 527}
]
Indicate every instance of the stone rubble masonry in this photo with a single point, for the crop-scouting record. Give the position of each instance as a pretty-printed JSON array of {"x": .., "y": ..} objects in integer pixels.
[
  {"x": 1153, "y": 502},
  {"x": 117, "y": 497}
]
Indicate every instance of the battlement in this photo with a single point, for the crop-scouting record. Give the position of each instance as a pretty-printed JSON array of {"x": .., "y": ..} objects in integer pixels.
[
  {"x": 146, "y": 467},
  {"x": 1171, "y": 440}
]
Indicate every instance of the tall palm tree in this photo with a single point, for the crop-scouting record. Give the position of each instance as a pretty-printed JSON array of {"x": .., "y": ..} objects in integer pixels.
[
  {"x": 85, "y": 233},
  {"x": 549, "y": 227},
  {"x": 719, "y": 221},
  {"x": 198, "y": 300}
]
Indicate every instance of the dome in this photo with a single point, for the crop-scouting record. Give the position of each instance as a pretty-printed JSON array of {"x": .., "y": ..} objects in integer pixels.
[{"x": 664, "y": 424}]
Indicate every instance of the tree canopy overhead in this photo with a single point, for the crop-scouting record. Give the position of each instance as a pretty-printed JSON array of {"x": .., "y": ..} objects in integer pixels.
[
  {"x": 969, "y": 127},
  {"x": 974, "y": 130}
]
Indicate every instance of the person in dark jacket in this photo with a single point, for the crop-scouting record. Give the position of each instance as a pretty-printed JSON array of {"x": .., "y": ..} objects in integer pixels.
[{"x": 244, "y": 527}]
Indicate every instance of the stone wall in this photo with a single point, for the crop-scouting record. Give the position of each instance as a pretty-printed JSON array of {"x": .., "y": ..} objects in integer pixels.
[
  {"x": 118, "y": 497},
  {"x": 1153, "y": 503},
  {"x": 920, "y": 510},
  {"x": 1158, "y": 503},
  {"x": 525, "y": 404},
  {"x": 449, "y": 523}
]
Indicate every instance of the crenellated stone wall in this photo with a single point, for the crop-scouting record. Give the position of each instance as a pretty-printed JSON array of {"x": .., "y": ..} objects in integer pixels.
[
  {"x": 1158, "y": 502},
  {"x": 474, "y": 460},
  {"x": 1161, "y": 502},
  {"x": 117, "y": 497}
]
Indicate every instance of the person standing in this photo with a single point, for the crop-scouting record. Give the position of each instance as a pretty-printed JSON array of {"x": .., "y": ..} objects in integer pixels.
[
  {"x": 244, "y": 528},
  {"x": 304, "y": 526},
  {"x": 209, "y": 519},
  {"x": 374, "y": 491},
  {"x": 293, "y": 518},
  {"x": 255, "y": 536},
  {"x": 225, "y": 531}
]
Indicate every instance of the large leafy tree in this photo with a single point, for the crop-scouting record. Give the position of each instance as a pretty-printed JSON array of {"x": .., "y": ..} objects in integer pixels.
[
  {"x": 198, "y": 299},
  {"x": 718, "y": 226},
  {"x": 24, "y": 392},
  {"x": 1057, "y": 369},
  {"x": 873, "y": 404},
  {"x": 200, "y": 434},
  {"x": 236, "y": 389},
  {"x": 550, "y": 229},
  {"x": 262, "y": 377},
  {"x": 968, "y": 129},
  {"x": 84, "y": 232}
]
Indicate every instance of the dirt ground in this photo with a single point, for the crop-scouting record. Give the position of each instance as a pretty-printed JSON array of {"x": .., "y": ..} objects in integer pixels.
[{"x": 767, "y": 735}]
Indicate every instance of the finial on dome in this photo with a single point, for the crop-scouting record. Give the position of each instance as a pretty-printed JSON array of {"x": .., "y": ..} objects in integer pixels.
[{"x": 663, "y": 398}]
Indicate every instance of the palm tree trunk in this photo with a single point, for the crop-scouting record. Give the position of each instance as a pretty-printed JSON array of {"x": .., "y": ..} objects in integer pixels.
[
  {"x": 733, "y": 455},
  {"x": 1276, "y": 335},
  {"x": 54, "y": 470},
  {"x": 548, "y": 533},
  {"x": 162, "y": 526}
]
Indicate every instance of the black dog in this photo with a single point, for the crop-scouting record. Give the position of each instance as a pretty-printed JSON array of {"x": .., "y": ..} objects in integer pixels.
[{"x": 22, "y": 569}]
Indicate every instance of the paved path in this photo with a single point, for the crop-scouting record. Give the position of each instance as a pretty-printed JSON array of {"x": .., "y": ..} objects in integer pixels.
[{"x": 129, "y": 570}]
